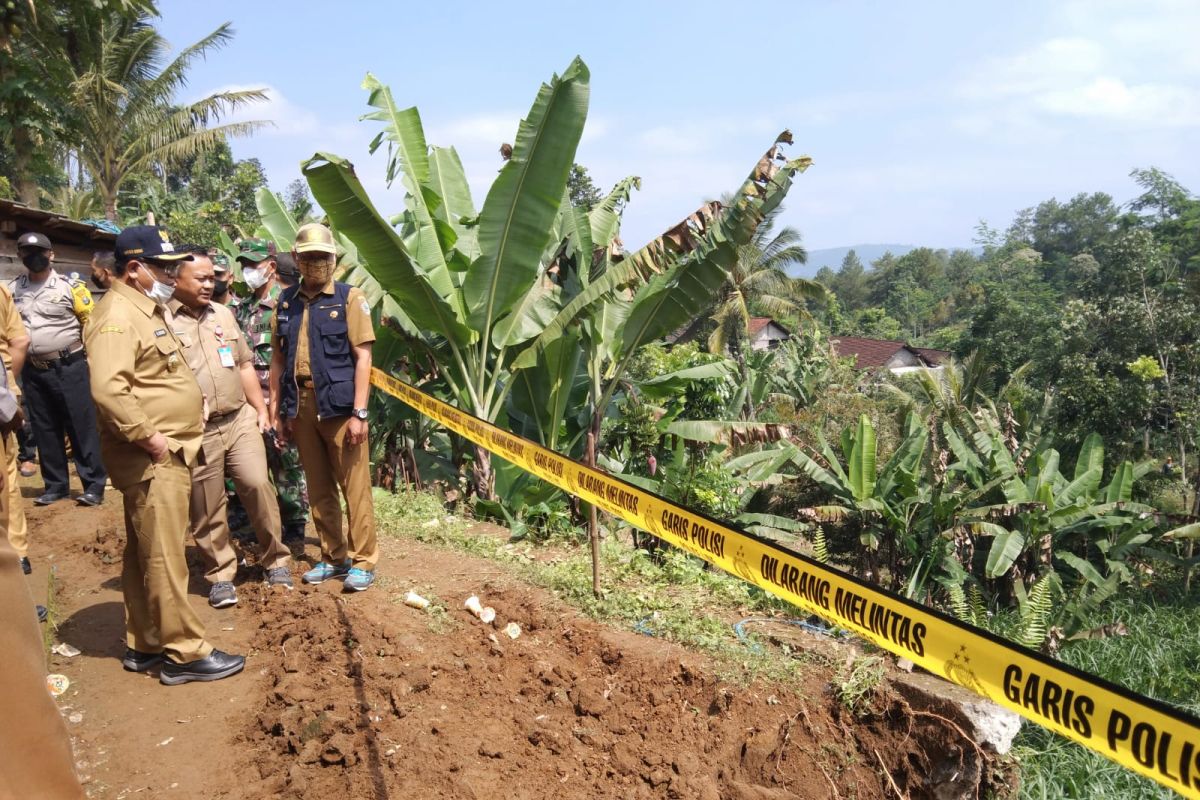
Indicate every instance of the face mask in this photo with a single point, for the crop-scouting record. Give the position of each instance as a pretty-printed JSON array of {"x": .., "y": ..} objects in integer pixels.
[
  {"x": 317, "y": 272},
  {"x": 36, "y": 262},
  {"x": 220, "y": 288},
  {"x": 99, "y": 282},
  {"x": 159, "y": 292},
  {"x": 255, "y": 277}
]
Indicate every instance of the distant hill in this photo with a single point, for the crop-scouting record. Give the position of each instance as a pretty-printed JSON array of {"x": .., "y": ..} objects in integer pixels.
[{"x": 867, "y": 253}]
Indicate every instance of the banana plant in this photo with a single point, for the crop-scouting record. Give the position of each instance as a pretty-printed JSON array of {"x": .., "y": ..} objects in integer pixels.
[{"x": 528, "y": 281}]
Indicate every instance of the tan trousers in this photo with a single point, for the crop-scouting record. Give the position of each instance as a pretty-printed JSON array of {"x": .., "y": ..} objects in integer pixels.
[
  {"x": 35, "y": 753},
  {"x": 329, "y": 463},
  {"x": 15, "y": 525},
  {"x": 154, "y": 576},
  {"x": 233, "y": 446}
]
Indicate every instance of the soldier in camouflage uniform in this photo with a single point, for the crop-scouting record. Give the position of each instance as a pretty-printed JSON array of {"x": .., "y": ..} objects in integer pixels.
[{"x": 266, "y": 274}]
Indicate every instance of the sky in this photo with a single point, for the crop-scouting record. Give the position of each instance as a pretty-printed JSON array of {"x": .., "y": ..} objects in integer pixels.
[{"x": 922, "y": 118}]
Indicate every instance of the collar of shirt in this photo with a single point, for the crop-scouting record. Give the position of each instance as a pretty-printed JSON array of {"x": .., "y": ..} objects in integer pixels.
[
  {"x": 271, "y": 298},
  {"x": 327, "y": 290},
  {"x": 138, "y": 298},
  {"x": 50, "y": 282},
  {"x": 178, "y": 308}
]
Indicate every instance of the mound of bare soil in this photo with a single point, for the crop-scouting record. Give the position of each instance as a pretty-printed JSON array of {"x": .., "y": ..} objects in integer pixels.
[
  {"x": 377, "y": 702},
  {"x": 362, "y": 697}
]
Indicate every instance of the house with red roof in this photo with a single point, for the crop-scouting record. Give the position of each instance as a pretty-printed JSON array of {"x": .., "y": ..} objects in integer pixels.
[{"x": 896, "y": 357}]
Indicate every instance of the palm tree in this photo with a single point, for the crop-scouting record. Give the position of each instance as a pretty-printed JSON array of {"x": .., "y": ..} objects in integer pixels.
[
  {"x": 758, "y": 281},
  {"x": 124, "y": 98}
]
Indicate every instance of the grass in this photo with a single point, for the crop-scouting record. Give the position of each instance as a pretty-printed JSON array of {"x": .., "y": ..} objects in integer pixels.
[
  {"x": 677, "y": 600},
  {"x": 858, "y": 683},
  {"x": 53, "y": 612},
  {"x": 1159, "y": 658}
]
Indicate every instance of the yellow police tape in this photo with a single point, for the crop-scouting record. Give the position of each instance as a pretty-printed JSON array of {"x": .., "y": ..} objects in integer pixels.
[{"x": 1140, "y": 733}]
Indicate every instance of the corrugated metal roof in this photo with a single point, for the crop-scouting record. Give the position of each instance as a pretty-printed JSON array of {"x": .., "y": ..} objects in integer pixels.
[{"x": 56, "y": 226}]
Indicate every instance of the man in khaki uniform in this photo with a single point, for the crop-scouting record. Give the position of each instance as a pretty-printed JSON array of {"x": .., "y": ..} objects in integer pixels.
[
  {"x": 320, "y": 383},
  {"x": 150, "y": 408},
  {"x": 216, "y": 351},
  {"x": 14, "y": 341}
]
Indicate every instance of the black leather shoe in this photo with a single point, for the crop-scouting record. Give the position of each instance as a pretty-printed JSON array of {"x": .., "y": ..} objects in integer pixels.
[
  {"x": 140, "y": 662},
  {"x": 89, "y": 499},
  {"x": 214, "y": 667},
  {"x": 50, "y": 497},
  {"x": 26, "y": 567},
  {"x": 42, "y": 613}
]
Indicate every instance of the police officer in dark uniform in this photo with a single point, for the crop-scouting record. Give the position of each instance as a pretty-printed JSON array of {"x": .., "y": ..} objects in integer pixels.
[{"x": 56, "y": 378}]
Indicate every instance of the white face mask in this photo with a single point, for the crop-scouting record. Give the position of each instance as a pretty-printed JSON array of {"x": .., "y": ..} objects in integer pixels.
[
  {"x": 159, "y": 292},
  {"x": 255, "y": 278}
]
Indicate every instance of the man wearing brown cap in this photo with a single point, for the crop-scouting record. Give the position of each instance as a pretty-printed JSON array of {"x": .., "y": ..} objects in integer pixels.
[
  {"x": 320, "y": 384},
  {"x": 235, "y": 418},
  {"x": 150, "y": 410}
]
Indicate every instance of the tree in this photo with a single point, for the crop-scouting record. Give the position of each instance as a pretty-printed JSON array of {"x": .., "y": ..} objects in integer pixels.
[
  {"x": 298, "y": 201},
  {"x": 528, "y": 297},
  {"x": 124, "y": 99},
  {"x": 758, "y": 282},
  {"x": 582, "y": 190},
  {"x": 851, "y": 282}
]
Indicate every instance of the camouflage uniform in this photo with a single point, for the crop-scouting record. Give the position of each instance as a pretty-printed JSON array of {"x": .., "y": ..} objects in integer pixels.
[{"x": 254, "y": 316}]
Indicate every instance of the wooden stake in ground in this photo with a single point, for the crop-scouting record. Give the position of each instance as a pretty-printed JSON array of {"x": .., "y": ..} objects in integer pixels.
[{"x": 593, "y": 527}]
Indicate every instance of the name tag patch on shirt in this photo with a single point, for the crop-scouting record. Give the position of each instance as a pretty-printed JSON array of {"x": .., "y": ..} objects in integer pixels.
[
  {"x": 161, "y": 332},
  {"x": 226, "y": 354}
]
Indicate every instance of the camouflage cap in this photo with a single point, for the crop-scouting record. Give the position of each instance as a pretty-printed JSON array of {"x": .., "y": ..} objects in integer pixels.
[
  {"x": 314, "y": 238},
  {"x": 220, "y": 262},
  {"x": 255, "y": 249}
]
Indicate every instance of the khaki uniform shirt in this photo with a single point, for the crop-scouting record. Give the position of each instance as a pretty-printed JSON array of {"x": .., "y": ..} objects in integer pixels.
[
  {"x": 11, "y": 327},
  {"x": 215, "y": 350},
  {"x": 358, "y": 324},
  {"x": 49, "y": 312},
  {"x": 141, "y": 384}
]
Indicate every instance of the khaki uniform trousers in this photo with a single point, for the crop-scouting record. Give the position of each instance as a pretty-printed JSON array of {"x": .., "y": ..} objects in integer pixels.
[
  {"x": 234, "y": 446},
  {"x": 154, "y": 576},
  {"x": 15, "y": 525},
  {"x": 35, "y": 752},
  {"x": 330, "y": 463}
]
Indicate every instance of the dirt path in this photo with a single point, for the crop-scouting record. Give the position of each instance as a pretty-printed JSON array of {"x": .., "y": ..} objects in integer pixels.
[{"x": 363, "y": 697}]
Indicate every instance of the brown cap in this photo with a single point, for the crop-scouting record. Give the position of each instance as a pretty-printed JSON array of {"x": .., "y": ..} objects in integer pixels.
[{"x": 314, "y": 238}]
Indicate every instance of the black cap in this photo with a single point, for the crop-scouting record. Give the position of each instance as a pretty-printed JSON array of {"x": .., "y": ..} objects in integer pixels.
[
  {"x": 33, "y": 240},
  {"x": 285, "y": 267},
  {"x": 148, "y": 242}
]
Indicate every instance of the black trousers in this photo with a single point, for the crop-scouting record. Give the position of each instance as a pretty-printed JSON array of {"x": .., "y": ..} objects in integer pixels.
[
  {"x": 59, "y": 400},
  {"x": 25, "y": 446}
]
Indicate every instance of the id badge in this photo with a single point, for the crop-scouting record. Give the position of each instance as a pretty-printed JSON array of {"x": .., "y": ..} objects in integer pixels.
[{"x": 226, "y": 354}]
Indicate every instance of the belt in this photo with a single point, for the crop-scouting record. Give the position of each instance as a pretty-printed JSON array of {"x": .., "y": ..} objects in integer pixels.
[
  {"x": 61, "y": 359},
  {"x": 221, "y": 417},
  {"x": 305, "y": 381}
]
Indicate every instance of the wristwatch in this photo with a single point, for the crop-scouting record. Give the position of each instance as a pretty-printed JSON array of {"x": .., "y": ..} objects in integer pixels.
[{"x": 361, "y": 413}]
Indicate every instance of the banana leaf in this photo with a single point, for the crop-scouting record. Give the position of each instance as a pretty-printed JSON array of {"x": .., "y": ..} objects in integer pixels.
[
  {"x": 672, "y": 383},
  {"x": 524, "y": 199},
  {"x": 861, "y": 469},
  {"x": 276, "y": 219}
]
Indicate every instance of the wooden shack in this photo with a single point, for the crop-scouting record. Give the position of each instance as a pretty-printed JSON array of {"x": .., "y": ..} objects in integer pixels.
[{"x": 74, "y": 242}]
